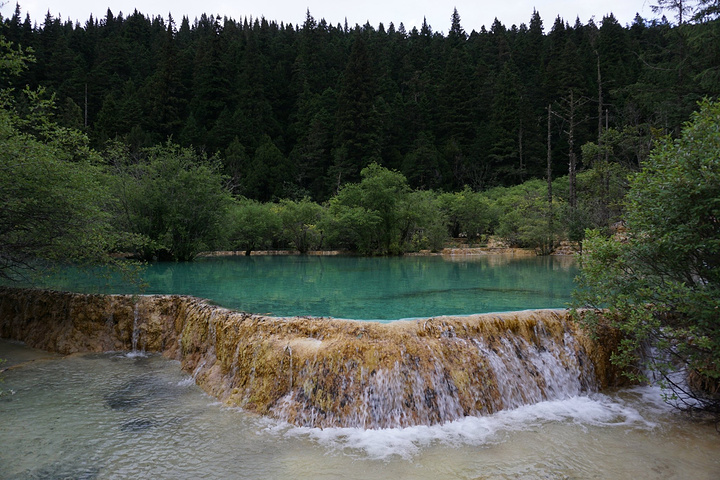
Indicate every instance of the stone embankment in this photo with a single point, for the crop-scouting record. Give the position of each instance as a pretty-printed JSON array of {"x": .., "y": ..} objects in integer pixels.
[{"x": 324, "y": 372}]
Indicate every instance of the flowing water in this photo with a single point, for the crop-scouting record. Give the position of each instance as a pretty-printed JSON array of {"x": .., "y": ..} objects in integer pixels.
[
  {"x": 355, "y": 287},
  {"x": 119, "y": 416}
]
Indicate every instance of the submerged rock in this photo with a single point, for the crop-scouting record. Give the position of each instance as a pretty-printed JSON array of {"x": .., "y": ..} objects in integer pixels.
[
  {"x": 326, "y": 372},
  {"x": 138, "y": 425}
]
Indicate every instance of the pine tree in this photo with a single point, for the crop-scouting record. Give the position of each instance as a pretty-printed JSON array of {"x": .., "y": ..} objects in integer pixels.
[
  {"x": 164, "y": 91},
  {"x": 356, "y": 138},
  {"x": 681, "y": 9},
  {"x": 507, "y": 126},
  {"x": 211, "y": 85}
]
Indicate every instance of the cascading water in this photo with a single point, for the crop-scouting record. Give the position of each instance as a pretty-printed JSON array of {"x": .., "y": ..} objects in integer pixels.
[
  {"x": 329, "y": 373},
  {"x": 495, "y": 372},
  {"x": 528, "y": 373},
  {"x": 107, "y": 416},
  {"x": 135, "y": 331}
]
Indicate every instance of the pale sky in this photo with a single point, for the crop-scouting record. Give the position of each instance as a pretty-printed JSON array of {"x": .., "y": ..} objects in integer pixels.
[{"x": 473, "y": 13}]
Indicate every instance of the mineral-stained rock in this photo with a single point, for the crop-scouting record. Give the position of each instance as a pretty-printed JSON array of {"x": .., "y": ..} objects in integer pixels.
[{"x": 326, "y": 372}]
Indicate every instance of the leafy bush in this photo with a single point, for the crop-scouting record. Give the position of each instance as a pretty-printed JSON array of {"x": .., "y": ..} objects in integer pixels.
[
  {"x": 253, "y": 225},
  {"x": 175, "y": 199},
  {"x": 661, "y": 281}
]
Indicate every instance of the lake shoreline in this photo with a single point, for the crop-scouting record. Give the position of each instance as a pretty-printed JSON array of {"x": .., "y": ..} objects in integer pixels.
[{"x": 563, "y": 250}]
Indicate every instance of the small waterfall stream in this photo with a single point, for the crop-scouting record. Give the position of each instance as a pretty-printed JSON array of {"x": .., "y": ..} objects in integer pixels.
[
  {"x": 329, "y": 373},
  {"x": 135, "y": 330}
]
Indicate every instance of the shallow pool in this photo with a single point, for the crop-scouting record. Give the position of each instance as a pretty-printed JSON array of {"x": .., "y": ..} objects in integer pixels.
[
  {"x": 384, "y": 288},
  {"x": 120, "y": 416}
]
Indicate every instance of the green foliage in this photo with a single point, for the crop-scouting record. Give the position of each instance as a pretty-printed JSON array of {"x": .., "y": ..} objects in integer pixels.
[
  {"x": 447, "y": 110},
  {"x": 423, "y": 165},
  {"x": 601, "y": 189},
  {"x": 269, "y": 174},
  {"x": 523, "y": 216},
  {"x": 382, "y": 215},
  {"x": 236, "y": 165},
  {"x": 300, "y": 222},
  {"x": 53, "y": 189},
  {"x": 351, "y": 226},
  {"x": 601, "y": 193},
  {"x": 469, "y": 214},
  {"x": 175, "y": 199},
  {"x": 13, "y": 60},
  {"x": 661, "y": 281},
  {"x": 426, "y": 222},
  {"x": 314, "y": 111},
  {"x": 253, "y": 225},
  {"x": 371, "y": 214},
  {"x": 357, "y": 118}
]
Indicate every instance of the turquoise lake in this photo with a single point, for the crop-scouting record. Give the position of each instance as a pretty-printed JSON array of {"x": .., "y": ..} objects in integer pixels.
[{"x": 360, "y": 288}]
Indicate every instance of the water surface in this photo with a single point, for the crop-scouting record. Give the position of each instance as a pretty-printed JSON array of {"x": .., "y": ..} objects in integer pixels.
[
  {"x": 356, "y": 287},
  {"x": 120, "y": 416}
]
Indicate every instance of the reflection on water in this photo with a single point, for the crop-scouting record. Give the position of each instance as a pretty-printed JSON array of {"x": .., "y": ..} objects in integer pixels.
[
  {"x": 114, "y": 416},
  {"x": 357, "y": 287}
]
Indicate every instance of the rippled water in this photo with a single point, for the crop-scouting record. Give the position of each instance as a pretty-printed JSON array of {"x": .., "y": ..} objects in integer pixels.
[
  {"x": 386, "y": 288},
  {"x": 119, "y": 416}
]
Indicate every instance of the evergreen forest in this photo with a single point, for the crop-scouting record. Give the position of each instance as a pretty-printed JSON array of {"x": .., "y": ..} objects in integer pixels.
[{"x": 294, "y": 111}]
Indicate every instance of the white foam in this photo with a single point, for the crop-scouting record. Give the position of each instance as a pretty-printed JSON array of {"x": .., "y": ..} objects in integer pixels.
[
  {"x": 186, "y": 382},
  {"x": 596, "y": 410},
  {"x": 136, "y": 354}
]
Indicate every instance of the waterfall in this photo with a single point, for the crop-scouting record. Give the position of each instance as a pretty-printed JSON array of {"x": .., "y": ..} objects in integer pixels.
[
  {"x": 135, "y": 329},
  {"x": 330, "y": 373},
  {"x": 445, "y": 379}
]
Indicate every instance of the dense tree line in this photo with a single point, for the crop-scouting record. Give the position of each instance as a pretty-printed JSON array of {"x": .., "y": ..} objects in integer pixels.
[
  {"x": 63, "y": 203},
  {"x": 299, "y": 111}
]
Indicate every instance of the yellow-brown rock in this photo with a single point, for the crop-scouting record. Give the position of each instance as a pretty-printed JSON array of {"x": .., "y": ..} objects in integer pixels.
[{"x": 327, "y": 372}]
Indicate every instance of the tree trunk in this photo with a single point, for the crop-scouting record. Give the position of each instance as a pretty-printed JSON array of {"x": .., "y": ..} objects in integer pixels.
[
  {"x": 549, "y": 180},
  {"x": 572, "y": 159},
  {"x": 520, "y": 152}
]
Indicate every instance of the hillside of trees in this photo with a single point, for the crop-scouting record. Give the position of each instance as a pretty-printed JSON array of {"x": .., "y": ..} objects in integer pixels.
[
  {"x": 299, "y": 111},
  {"x": 167, "y": 141}
]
